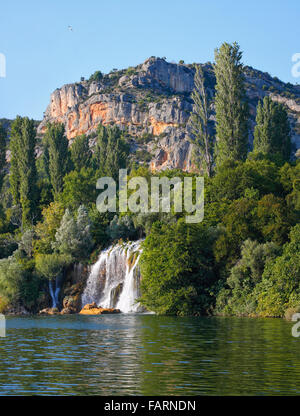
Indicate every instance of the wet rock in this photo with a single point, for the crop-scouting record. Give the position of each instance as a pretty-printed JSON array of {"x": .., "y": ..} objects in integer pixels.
[
  {"x": 67, "y": 311},
  {"x": 49, "y": 311},
  {"x": 93, "y": 309}
]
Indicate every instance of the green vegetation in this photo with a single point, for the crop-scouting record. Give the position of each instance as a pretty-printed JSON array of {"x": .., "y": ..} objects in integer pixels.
[
  {"x": 81, "y": 154},
  {"x": 201, "y": 131},
  {"x": 272, "y": 133},
  {"x": 231, "y": 105},
  {"x": 23, "y": 178},
  {"x": 111, "y": 151},
  {"x": 2, "y": 153},
  {"x": 243, "y": 259},
  {"x": 59, "y": 156},
  {"x": 177, "y": 269},
  {"x": 96, "y": 76}
]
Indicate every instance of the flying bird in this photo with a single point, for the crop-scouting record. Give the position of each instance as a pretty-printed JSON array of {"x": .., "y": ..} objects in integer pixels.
[{"x": 70, "y": 28}]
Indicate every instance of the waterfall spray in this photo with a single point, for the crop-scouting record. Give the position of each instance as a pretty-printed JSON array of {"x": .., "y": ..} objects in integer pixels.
[
  {"x": 114, "y": 280},
  {"x": 54, "y": 289},
  {"x": 52, "y": 294}
]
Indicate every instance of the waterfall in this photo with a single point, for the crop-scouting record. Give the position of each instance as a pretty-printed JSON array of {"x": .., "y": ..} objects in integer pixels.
[
  {"x": 54, "y": 289},
  {"x": 114, "y": 280}
]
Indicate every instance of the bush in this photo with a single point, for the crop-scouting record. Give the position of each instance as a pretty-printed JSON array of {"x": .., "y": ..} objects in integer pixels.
[
  {"x": 52, "y": 265},
  {"x": 244, "y": 276},
  {"x": 96, "y": 76},
  {"x": 280, "y": 287}
]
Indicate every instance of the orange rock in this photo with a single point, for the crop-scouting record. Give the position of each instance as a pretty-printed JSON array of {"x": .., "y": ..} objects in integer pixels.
[
  {"x": 158, "y": 127},
  {"x": 93, "y": 309}
]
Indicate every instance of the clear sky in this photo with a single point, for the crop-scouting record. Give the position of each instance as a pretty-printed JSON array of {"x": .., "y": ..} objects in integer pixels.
[{"x": 42, "y": 54}]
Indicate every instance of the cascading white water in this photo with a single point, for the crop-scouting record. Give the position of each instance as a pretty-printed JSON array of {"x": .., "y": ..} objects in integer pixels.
[{"x": 114, "y": 280}]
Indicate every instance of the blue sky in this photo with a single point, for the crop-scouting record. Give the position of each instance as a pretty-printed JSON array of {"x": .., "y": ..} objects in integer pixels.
[{"x": 42, "y": 54}]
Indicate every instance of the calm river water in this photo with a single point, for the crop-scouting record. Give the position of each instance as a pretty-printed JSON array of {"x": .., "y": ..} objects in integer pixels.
[{"x": 148, "y": 355}]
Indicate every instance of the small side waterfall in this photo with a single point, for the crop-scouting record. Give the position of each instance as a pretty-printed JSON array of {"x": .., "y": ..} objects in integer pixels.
[
  {"x": 114, "y": 280},
  {"x": 54, "y": 289}
]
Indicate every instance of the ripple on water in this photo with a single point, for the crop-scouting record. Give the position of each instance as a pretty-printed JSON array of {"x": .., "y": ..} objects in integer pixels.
[{"x": 115, "y": 355}]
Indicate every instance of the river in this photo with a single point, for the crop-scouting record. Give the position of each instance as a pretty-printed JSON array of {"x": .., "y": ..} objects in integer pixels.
[{"x": 136, "y": 354}]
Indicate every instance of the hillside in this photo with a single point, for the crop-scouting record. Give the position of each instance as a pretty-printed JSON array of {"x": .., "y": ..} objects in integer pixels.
[{"x": 153, "y": 102}]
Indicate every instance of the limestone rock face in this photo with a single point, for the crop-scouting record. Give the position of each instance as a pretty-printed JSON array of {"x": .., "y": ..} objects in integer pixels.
[{"x": 152, "y": 101}]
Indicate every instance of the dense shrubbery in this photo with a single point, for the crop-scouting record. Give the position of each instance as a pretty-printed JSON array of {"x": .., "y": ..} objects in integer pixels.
[{"x": 177, "y": 268}]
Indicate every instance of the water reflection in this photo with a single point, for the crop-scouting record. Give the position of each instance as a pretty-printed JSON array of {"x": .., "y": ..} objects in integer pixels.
[{"x": 148, "y": 355}]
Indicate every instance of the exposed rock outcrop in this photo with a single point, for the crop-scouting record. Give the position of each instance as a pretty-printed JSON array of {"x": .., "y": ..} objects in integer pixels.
[
  {"x": 93, "y": 309},
  {"x": 152, "y": 101},
  {"x": 49, "y": 311}
]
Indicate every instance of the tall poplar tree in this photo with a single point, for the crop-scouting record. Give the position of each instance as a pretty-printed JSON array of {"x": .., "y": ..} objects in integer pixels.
[
  {"x": 99, "y": 156},
  {"x": 14, "y": 145},
  {"x": 272, "y": 133},
  {"x": 81, "y": 153},
  {"x": 231, "y": 105},
  {"x": 28, "y": 173},
  {"x": 111, "y": 151},
  {"x": 2, "y": 153},
  {"x": 59, "y": 155},
  {"x": 201, "y": 131},
  {"x": 23, "y": 174}
]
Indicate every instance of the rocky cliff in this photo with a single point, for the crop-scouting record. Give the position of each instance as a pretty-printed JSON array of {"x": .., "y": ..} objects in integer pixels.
[{"x": 153, "y": 102}]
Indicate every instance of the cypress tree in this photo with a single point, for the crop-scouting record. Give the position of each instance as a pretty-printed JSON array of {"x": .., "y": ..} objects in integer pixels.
[
  {"x": 231, "y": 105},
  {"x": 201, "y": 136}
]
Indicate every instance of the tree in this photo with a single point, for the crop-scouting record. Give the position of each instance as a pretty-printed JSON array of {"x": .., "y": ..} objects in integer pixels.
[
  {"x": 231, "y": 105},
  {"x": 96, "y": 76},
  {"x": 27, "y": 241},
  {"x": 233, "y": 178},
  {"x": 10, "y": 281},
  {"x": 73, "y": 236},
  {"x": 14, "y": 177},
  {"x": 81, "y": 153},
  {"x": 23, "y": 174},
  {"x": 121, "y": 227},
  {"x": 79, "y": 188},
  {"x": 19, "y": 285},
  {"x": 2, "y": 153},
  {"x": 280, "y": 287},
  {"x": 28, "y": 173},
  {"x": 59, "y": 157},
  {"x": 272, "y": 134},
  {"x": 200, "y": 128},
  {"x": 241, "y": 299},
  {"x": 273, "y": 219},
  {"x": 111, "y": 151},
  {"x": 177, "y": 269},
  {"x": 99, "y": 156},
  {"x": 46, "y": 229},
  {"x": 52, "y": 267}
]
